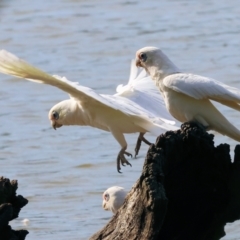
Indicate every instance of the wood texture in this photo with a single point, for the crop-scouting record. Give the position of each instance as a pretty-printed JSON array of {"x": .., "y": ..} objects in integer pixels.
[{"x": 188, "y": 189}]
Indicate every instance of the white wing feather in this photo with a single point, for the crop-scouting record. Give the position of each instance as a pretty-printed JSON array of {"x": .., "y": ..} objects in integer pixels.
[
  {"x": 142, "y": 90},
  {"x": 12, "y": 65},
  {"x": 130, "y": 107},
  {"x": 200, "y": 87},
  {"x": 134, "y": 72}
]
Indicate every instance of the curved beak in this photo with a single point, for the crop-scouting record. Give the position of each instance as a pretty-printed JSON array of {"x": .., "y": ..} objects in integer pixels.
[
  {"x": 104, "y": 206},
  {"x": 138, "y": 62},
  {"x": 55, "y": 125}
]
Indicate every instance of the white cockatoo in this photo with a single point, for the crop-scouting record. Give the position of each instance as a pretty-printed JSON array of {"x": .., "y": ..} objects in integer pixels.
[
  {"x": 136, "y": 107},
  {"x": 113, "y": 198},
  {"x": 187, "y": 96}
]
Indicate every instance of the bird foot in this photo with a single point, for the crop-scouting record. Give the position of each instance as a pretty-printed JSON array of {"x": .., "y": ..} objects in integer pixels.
[
  {"x": 198, "y": 124},
  {"x": 141, "y": 139},
  {"x": 121, "y": 158},
  {"x": 137, "y": 148}
]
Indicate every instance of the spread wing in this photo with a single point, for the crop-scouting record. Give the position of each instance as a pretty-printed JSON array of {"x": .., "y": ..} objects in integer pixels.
[
  {"x": 146, "y": 119},
  {"x": 142, "y": 90},
  {"x": 12, "y": 65},
  {"x": 200, "y": 87}
]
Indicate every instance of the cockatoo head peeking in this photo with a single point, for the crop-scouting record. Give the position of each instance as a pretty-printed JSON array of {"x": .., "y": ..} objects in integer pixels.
[
  {"x": 153, "y": 59},
  {"x": 145, "y": 56},
  {"x": 62, "y": 113},
  {"x": 113, "y": 198}
]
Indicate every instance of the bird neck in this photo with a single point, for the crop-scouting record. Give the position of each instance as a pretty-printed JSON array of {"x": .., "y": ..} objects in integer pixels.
[
  {"x": 75, "y": 114},
  {"x": 80, "y": 116},
  {"x": 162, "y": 67},
  {"x": 159, "y": 71},
  {"x": 158, "y": 74}
]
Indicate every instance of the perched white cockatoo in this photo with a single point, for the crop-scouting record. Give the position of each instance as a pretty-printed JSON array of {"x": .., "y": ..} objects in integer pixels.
[
  {"x": 187, "y": 96},
  {"x": 113, "y": 198},
  {"x": 136, "y": 107}
]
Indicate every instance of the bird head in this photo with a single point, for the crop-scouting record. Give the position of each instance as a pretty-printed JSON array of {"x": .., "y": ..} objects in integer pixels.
[
  {"x": 60, "y": 113},
  {"x": 113, "y": 198},
  {"x": 146, "y": 56},
  {"x": 153, "y": 60}
]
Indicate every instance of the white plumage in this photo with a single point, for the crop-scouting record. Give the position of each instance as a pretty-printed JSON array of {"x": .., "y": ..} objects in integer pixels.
[
  {"x": 187, "y": 96},
  {"x": 136, "y": 107},
  {"x": 113, "y": 198}
]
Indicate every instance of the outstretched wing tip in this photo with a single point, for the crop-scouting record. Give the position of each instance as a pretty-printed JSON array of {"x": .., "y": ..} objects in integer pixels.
[{"x": 119, "y": 88}]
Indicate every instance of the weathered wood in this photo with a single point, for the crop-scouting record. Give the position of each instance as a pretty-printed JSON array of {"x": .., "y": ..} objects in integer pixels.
[
  {"x": 10, "y": 206},
  {"x": 139, "y": 216},
  {"x": 188, "y": 189}
]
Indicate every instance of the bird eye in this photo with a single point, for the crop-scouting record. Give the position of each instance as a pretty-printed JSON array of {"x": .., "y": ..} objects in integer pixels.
[
  {"x": 55, "y": 115},
  {"x": 143, "y": 57},
  {"x": 106, "y": 196}
]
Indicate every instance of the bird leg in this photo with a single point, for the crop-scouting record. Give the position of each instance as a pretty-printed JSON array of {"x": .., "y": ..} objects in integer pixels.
[
  {"x": 139, "y": 141},
  {"x": 118, "y": 135},
  {"x": 121, "y": 158}
]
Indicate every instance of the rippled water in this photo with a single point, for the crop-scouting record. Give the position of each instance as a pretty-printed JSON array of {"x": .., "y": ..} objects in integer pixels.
[{"x": 63, "y": 173}]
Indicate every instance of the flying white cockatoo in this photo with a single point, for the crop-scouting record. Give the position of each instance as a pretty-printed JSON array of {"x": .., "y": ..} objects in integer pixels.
[
  {"x": 113, "y": 198},
  {"x": 187, "y": 96},
  {"x": 136, "y": 107}
]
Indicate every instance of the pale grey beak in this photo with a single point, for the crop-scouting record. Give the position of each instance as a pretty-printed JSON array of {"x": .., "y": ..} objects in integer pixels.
[
  {"x": 138, "y": 63},
  {"x": 55, "y": 125},
  {"x": 104, "y": 206}
]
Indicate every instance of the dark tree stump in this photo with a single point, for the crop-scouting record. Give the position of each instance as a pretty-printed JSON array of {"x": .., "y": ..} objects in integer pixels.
[
  {"x": 10, "y": 206},
  {"x": 141, "y": 209},
  {"x": 188, "y": 190}
]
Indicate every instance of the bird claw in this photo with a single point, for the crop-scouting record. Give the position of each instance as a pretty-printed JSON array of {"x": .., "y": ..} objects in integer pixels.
[
  {"x": 140, "y": 139},
  {"x": 138, "y": 145},
  {"x": 128, "y": 154},
  {"x": 128, "y": 163},
  {"x": 121, "y": 158}
]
